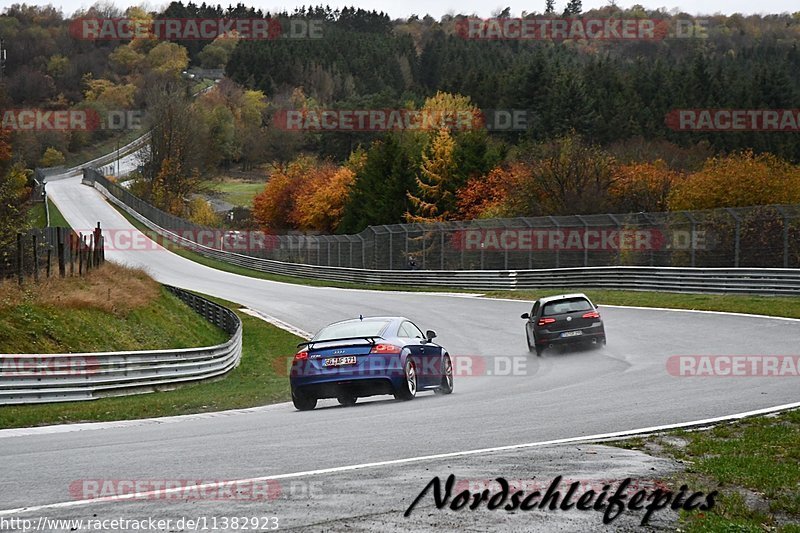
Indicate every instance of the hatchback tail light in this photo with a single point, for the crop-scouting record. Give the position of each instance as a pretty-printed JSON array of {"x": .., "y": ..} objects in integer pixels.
[
  {"x": 302, "y": 355},
  {"x": 385, "y": 349},
  {"x": 545, "y": 321},
  {"x": 591, "y": 314}
]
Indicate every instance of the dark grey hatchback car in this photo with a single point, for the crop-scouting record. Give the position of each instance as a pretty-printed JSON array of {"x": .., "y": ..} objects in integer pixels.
[{"x": 564, "y": 319}]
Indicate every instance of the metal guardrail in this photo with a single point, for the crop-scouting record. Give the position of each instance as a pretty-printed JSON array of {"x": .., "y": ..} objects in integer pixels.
[
  {"x": 773, "y": 281},
  {"x": 42, "y": 378}
]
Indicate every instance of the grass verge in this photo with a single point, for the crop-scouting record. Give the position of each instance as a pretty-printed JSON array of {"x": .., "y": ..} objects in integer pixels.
[
  {"x": 113, "y": 308},
  {"x": 260, "y": 379},
  {"x": 754, "y": 463},
  {"x": 37, "y": 216},
  {"x": 56, "y": 218},
  {"x": 237, "y": 191}
]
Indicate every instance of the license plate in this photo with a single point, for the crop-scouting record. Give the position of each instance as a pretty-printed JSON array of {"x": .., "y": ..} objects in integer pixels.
[
  {"x": 572, "y": 333},
  {"x": 339, "y": 361}
]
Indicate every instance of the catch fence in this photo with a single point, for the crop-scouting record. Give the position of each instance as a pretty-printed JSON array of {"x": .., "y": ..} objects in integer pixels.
[{"x": 747, "y": 237}]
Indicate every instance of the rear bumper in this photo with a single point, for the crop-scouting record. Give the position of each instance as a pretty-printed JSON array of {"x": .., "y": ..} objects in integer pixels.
[
  {"x": 353, "y": 386},
  {"x": 590, "y": 334}
]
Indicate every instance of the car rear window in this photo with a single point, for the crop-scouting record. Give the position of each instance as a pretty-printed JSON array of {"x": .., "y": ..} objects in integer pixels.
[
  {"x": 568, "y": 305},
  {"x": 366, "y": 328}
]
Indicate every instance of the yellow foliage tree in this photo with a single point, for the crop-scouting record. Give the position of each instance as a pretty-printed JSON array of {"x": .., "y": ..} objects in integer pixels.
[
  {"x": 438, "y": 167},
  {"x": 738, "y": 180},
  {"x": 168, "y": 58},
  {"x": 454, "y": 111},
  {"x": 200, "y": 212},
  {"x": 126, "y": 59},
  {"x": 108, "y": 93},
  {"x": 52, "y": 158}
]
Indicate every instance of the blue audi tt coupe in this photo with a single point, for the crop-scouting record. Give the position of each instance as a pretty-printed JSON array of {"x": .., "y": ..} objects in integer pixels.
[{"x": 369, "y": 356}]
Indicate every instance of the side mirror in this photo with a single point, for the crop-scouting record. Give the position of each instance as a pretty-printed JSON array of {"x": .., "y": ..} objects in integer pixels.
[
  {"x": 430, "y": 335},
  {"x": 526, "y": 316}
]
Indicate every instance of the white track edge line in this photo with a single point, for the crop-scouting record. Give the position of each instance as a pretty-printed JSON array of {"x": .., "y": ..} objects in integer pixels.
[
  {"x": 350, "y": 468},
  {"x": 277, "y": 322}
]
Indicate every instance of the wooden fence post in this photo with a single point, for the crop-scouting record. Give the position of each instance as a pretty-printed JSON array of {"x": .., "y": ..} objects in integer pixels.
[
  {"x": 90, "y": 253},
  {"x": 62, "y": 268},
  {"x": 73, "y": 252},
  {"x": 49, "y": 257},
  {"x": 19, "y": 258},
  {"x": 80, "y": 254},
  {"x": 35, "y": 259},
  {"x": 98, "y": 239}
]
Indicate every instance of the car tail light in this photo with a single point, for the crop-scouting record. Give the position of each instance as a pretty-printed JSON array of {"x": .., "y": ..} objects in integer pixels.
[
  {"x": 302, "y": 355},
  {"x": 545, "y": 321},
  {"x": 385, "y": 348},
  {"x": 591, "y": 314}
]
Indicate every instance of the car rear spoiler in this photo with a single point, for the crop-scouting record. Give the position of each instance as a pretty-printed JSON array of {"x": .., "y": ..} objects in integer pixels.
[{"x": 369, "y": 338}]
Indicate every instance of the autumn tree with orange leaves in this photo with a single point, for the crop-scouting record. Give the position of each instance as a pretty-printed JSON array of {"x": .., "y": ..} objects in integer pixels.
[
  {"x": 638, "y": 187},
  {"x": 306, "y": 195},
  {"x": 320, "y": 203},
  {"x": 490, "y": 196},
  {"x": 274, "y": 207}
]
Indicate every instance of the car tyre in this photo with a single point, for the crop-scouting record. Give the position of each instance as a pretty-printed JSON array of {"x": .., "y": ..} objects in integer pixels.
[
  {"x": 408, "y": 389},
  {"x": 531, "y": 347},
  {"x": 447, "y": 377},
  {"x": 347, "y": 401},
  {"x": 302, "y": 402}
]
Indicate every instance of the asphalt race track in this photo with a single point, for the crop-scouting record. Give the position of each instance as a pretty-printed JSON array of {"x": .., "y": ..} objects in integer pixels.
[{"x": 620, "y": 387}]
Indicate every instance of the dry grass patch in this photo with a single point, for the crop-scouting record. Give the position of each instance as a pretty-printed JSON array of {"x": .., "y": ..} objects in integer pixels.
[
  {"x": 111, "y": 288},
  {"x": 114, "y": 308}
]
